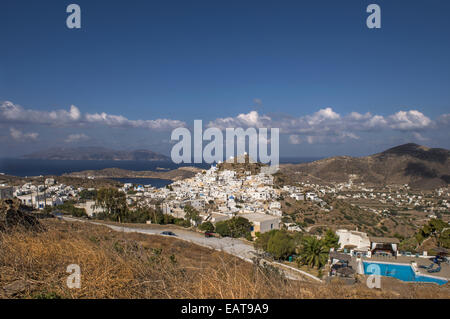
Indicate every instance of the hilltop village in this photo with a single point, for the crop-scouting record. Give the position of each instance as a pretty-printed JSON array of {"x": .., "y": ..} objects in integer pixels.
[
  {"x": 233, "y": 188},
  {"x": 240, "y": 198}
]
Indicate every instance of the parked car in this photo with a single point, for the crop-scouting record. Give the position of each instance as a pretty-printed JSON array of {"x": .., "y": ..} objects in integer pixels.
[
  {"x": 168, "y": 233},
  {"x": 209, "y": 234}
]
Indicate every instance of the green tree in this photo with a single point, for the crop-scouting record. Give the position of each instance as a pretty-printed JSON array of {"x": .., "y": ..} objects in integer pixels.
[
  {"x": 235, "y": 227},
  {"x": 433, "y": 228},
  {"x": 207, "y": 227},
  {"x": 223, "y": 228},
  {"x": 263, "y": 239},
  {"x": 280, "y": 245},
  {"x": 142, "y": 215},
  {"x": 240, "y": 227},
  {"x": 437, "y": 225},
  {"x": 408, "y": 244},
  {"x": 113, "y": 202},
  {"x": 444, "y": 238},
  {"x": 313, "y": 253},
  {"x": 191, "y": 214},
  {"x": 331, "y": 240},
  {"x": 157, "y": 216},
  {"x": 86, "y": 194},
  {"x": 69, "y": 208}
]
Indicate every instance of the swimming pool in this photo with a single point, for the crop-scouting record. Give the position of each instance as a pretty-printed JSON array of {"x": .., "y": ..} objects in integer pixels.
[{"x": 402, "y": 272}]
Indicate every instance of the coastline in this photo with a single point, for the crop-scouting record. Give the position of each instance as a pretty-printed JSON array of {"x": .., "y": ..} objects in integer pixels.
[{"x": 114, "y": 173}]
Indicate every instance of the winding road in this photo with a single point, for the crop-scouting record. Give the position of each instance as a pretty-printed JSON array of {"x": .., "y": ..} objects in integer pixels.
[{"x": 232, "y": 246}]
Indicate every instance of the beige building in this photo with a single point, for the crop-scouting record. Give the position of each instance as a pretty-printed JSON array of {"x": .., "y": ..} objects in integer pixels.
[
  {"x": 90, "y": 208},
  {"x": 262, "y": 222}
]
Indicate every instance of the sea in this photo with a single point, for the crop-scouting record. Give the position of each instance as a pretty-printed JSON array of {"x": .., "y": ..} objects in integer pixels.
[{"x": 33, "y": 167}]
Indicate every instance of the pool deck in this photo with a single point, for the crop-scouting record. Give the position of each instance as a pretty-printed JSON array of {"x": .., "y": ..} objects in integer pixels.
[{"x": 444, "y": 273}]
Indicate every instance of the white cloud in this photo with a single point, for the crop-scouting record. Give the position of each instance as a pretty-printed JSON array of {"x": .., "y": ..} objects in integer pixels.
[
  {"x": 321, "y": 116},
  {"x": 251, "y": 119},
  {"x": 375, "y": 122},
  {"x": 339, "y": 137},
  {"x": 295, "y": 139},
  {"x": 12, "y": 113},
  {"x": 121, "y": 121},
  {"x": 73, "y": 138},
  {"x": 326, "y": 125},
  {"x": 420, "y": 137},
  {"x": 409, "y": 120},
  {"x": 444, "y": 119},
  {"x": 19, "y": 136}
]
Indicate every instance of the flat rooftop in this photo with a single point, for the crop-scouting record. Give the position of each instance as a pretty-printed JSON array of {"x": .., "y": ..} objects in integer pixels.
[{"x": 258, "y": 217}]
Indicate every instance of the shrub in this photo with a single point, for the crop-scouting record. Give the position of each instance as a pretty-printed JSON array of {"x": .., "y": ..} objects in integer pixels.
[
  {"x": 69, "y": 208},
  {"x": 280, "y": 245},
  {"x": 235, "y": 227},
  {"x": 223, "y": 229},
  {"x": 183, "y": 223},
  {"x": 207, "y": 227},
  {"x": 47, "y": 295},
  {"x": 88, "y": 194}
]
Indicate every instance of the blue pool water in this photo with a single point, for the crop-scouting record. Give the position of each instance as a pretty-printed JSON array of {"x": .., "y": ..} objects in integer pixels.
[{"x": 402, "y": 272}]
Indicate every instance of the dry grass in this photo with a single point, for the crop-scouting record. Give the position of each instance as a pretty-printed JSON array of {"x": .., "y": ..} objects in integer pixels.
[{"x": 127, "y": 265}]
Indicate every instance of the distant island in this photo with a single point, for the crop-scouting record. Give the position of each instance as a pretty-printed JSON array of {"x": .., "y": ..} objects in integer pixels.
[
  {"x": 95, "y": 154},
  {"x": 110, "y": 173}
]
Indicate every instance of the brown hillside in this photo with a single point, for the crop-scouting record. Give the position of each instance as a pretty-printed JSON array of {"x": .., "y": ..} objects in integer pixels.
[
  {"x": 130, "y": 265},
  {"x": 412, "y": 164}
]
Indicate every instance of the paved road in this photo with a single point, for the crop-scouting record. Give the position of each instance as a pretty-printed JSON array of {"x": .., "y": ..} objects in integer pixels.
[{"x": 232, "y": 246}]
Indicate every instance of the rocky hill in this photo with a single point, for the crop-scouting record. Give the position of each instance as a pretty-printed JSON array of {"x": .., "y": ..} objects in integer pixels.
[
  {"x": 96, "y": 153},
  {"x": 419, "y": 166}
]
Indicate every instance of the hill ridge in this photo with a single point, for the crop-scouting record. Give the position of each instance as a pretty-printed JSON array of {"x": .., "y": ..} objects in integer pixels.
[{"x": 417, "y": 165}]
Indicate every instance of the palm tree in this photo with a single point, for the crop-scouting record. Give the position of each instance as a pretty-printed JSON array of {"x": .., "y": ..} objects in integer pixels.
[{"x": 314, "y": 253}]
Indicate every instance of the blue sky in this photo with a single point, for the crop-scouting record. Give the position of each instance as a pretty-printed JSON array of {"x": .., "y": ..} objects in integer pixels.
[{"x": 150, "y": 66}]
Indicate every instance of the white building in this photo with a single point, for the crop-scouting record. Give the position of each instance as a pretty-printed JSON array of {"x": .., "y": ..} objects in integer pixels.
[{"x": 357, "y": 239}]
